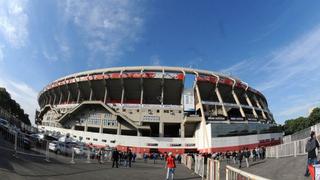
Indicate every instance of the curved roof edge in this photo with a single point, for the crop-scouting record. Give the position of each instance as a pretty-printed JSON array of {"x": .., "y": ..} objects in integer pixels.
[{"x": 147, "y": 68}]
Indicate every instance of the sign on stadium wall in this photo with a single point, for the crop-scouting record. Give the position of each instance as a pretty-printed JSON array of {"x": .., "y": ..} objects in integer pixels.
[{"x": 188, "y": 101}]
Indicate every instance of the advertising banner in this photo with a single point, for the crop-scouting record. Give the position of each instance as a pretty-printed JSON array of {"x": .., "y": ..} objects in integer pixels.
[{"x": 188, "y": 100}]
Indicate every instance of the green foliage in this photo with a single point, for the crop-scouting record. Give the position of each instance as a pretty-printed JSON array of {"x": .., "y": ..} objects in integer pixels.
[
  {"x": 12, "y": 106},
  {"x": 314, "y": 117},
  {"x": 294, "y": 125}
]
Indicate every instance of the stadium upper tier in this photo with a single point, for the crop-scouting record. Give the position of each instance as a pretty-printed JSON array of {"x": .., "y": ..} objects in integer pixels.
[{"x": 221, "y": 96}]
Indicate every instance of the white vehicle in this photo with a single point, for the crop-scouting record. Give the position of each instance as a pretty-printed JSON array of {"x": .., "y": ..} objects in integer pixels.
[
  {"x": 38, "y": 137},
  {"x": 66, "y": 148},
  {"x": 53, "y": 146}
]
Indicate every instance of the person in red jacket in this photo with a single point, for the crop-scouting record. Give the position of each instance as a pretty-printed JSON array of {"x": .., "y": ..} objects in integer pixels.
[{"x": 171, "y": 165}]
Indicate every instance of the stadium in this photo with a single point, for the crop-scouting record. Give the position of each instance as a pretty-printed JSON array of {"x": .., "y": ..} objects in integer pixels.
[{"x": 158, "y": 109}]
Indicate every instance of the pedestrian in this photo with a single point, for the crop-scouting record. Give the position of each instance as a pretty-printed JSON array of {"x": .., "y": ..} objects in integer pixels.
[
  {"x": 240, "y": 157},
  {"x": 134, "y": 155},
  {"x": 170, "y": 165},
  {"x": 234, "y": 157},
  {"x": 129, "y": 157},
  {"x": 154, "y": 157},
  {"x": 179, "y": 158},
  {"x": 254, "y": 154},
  {"x": 125, "y": 159},
  {"x": 145, "y": 157},
  {"x": 260, "y": 153},
  {"x": 311, "y": 146},
  {"x": 121, "y": 158},
  {"x": 263, "y": 152},
  {"x": 257, "y": 151},
  {"x": 115, "y": 158},
  {"x": 247, "y": 155},
  {"x": 228, "y": 157},
  {"x": 100, "y": 154}
]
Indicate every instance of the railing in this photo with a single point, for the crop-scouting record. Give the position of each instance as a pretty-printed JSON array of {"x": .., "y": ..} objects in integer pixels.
[
  {"x": 199, "y": 165},
  {"x": 293, "y": 148},
  {"x": 22, "y": 144},
  {"x": 189, "y": 162},
  {"x": 235, "y": 174},
  {"x": 209, "y": 171},
  {"x": 302, "y": 134},
  {"x": 213, "y": 169}
]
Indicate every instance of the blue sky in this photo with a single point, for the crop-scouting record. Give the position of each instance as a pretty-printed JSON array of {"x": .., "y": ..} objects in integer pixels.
[{"x": 272, "y": 45}]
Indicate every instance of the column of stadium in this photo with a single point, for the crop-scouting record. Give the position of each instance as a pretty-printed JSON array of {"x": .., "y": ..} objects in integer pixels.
[{"x": 150, "y": 108}]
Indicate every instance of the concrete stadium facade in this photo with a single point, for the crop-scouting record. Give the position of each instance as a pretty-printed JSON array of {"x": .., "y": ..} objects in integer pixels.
[{"x": 154, "y": 107}]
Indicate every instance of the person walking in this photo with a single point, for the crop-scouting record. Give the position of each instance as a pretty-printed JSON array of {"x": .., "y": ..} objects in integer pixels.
[
  {"x": 100, "y": 156},
  {"x": 228, "y": 157},
  {"x": 234, "y": 157},
  {"x": 125, "y": 159},
  {"x": 260, "y": 153},
  {"x": 170, "y": 165},
  {"x": 115, "y": 158},
  {"x": 145, "y": 157},
  {"x": 134, "y": 155},
  {"x": 179, "y": 158},
  {"x": 154, "y": 157},
  {"x": 130, "y": 157},
  {"x": 311, "y": 146},
  {"x": 257, "y": 151},
  {"x": 240, "y": 157},
  {"x": 254, "y": 154},
  {"x": 247, "y": 155}
]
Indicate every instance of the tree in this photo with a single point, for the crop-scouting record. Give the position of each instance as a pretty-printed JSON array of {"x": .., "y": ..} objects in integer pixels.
[
  {"x": 314, "y": 116},
  {"x": 10, "y": 105},
  {"x": 294, "y": 125}
]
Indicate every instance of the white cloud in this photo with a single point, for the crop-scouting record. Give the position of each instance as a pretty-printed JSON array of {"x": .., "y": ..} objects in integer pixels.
[
  {"x": 108, "y": 27},
  {"x": 155, "y": 60},
  {"x": 64, "y": 50},
  {"x": 291, "y": 71},
  {"x": 49, "y": 57},
  {"x": 22, "y": 94},
  {"x": 13, "y": 22}
]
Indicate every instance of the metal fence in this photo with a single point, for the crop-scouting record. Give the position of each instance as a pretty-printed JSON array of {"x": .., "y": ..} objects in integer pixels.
[
  {"x": 294, "y": 144},
  {"x": 206, "y": 168},
  {"x": 293, "y": 148},
  {"x": 305, "y": 133},
  {"x": 22, "y": 144},
  {"x": 199, "y": 165},
  {"x": 213, "y": 169},
  {"x": 236, "y": 174},
  {"x": 91, "y": 156}
]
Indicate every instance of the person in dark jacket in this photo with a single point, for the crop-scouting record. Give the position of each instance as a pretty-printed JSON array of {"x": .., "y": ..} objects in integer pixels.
[
  {"x": 234, "y": 157},
  {"x": 240, "y": 157},
  {"x": 254, "y": 154},
  {"x": 311, "y": 146},
  {"x": 115, "y": 158},
  {"x": 130, "y": 157},
  {"x": 247, "y": 155}
]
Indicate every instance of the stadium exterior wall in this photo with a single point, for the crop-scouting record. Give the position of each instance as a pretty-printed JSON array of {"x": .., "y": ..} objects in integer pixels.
[
  {"x": 157, "y": 110},
  {"x": 142, "y": 144}
]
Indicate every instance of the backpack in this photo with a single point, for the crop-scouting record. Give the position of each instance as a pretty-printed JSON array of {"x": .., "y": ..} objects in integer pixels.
[{"x": 311, "y": 144}]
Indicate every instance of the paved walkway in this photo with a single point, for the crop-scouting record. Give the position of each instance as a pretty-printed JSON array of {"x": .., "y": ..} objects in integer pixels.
[
  {"x": 35, "y": 168},
  {"x": 289, "y": 168}
]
